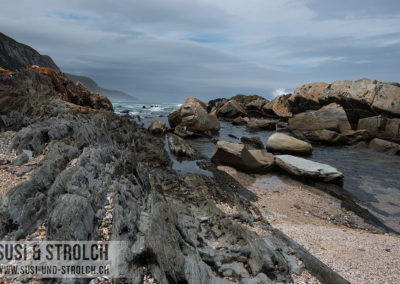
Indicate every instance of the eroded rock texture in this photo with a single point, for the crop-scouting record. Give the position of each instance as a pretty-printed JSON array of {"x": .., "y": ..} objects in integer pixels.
[{"x": 172, "y": 223}]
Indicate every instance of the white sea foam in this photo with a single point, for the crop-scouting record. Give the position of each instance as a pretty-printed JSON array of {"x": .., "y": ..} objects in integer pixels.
[{"x": 278, "y": 92}]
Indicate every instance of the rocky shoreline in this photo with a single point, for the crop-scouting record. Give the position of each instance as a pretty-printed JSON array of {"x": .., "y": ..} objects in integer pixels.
[
  {"x": 100, "y": 176},
  {"x": 95, "y": 160}
]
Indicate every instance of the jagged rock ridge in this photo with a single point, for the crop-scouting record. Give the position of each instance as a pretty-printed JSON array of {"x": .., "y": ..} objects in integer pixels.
[{"x": 172, "y": 223}]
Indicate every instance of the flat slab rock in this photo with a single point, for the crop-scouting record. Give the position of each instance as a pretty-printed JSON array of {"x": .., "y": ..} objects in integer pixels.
[{"x": 307, "y": 168}]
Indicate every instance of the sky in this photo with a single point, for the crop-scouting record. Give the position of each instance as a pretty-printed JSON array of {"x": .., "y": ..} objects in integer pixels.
[{"x": 168, "y": 50}]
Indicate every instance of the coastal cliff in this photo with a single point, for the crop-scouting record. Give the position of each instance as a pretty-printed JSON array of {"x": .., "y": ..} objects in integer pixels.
[{"x": 15, "y": 55}]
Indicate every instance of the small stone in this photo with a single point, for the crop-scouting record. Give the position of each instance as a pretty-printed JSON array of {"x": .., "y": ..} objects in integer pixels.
[
  {"x": 28, "y": 152},
  {"x": 21, "y": 159},
  {"x": 242, "y": 258},
  {"x": 204, "y": 219}
]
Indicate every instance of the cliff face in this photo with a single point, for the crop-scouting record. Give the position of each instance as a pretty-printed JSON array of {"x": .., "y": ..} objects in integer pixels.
[
  {"x": 92, "y": 86},
  {"x": 14, "y": 55}
]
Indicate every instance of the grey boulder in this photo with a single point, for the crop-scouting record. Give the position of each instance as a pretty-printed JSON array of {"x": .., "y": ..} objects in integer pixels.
[
  {"x": 306, "y": 168},
  {"x": 282, "y": 143}
]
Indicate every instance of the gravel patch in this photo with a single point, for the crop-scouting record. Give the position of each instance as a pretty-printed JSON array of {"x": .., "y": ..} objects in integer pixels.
[
  {"x": 13, "y": 175},
  {"x": 315, "y": 220},
  {"x": 358, "y": 256}
]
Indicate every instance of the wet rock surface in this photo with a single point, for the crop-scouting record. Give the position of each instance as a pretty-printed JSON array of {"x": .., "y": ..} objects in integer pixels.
[
  {"x": 181, "y": 148},
  {"x": 331, "y": 117},
  {"x": 192, "y": 119},
  {"x": 282, "y": 143},
  {"x": 307, "y": 168},
  {"x": 157, "y": 128},
  {"x": 231, "y": 109},
  {"x": 176, "y": 232},
  {"x": 261, "y": 124},
  {"x": 253, "y": 141},
  {"x": 240, "y": 157}
]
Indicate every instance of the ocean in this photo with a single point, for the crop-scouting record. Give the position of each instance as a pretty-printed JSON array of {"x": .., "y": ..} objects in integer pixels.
[{"x": 371, "y": 177}]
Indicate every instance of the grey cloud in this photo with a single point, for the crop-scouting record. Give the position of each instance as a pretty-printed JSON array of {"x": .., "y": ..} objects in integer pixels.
[{"x": 172, "y": 49}]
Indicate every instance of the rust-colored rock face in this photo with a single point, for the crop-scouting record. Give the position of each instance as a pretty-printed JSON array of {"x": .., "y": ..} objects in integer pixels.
[
  {"x": 5, "y": 72},
  {"x": 279, "y": 106},
  {"x": 75, "y": 93},
  {"x": 360, "y": 99},
  {"x": 196, "y": 100},
  {"x": 231, "y": 109}
]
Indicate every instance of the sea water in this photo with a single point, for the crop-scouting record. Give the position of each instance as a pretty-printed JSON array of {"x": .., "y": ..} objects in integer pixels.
[{"x": 373, "y": 178}]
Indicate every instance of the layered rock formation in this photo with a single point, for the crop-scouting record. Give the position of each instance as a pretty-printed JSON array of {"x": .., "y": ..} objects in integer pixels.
[
  {"x": 95, "y": 159},
  {"x": 360, "y": 99}
]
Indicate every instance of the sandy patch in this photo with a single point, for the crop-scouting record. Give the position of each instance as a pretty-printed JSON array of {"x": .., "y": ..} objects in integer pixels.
[{"x": 337, "y": 237}]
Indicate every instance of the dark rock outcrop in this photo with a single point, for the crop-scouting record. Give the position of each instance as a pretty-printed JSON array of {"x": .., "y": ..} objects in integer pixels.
[
  {"x": 255, "y": 107},
  {"x": 14, "y": 55},
  {"x": 253, "y": 141},
  {"x": 381, "y": 145},
  {"x": 231, "y": 109},
  {"x": 171, "y": 223},
  {"x": 181, "y": 148},
  {"x": 279, "y": 107},
  {"x": 157, "y": 128}
]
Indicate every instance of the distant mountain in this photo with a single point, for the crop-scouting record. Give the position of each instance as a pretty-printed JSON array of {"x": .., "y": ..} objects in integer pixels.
[
  {"x": 14, "y": 55},
  {"x": 91, "y": 85}
]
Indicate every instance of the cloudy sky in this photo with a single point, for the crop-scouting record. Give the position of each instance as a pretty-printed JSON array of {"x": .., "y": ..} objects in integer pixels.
[{"x": 167, "y": 50}]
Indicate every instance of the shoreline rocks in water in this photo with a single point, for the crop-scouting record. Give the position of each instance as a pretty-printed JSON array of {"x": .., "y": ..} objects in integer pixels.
[
  {"x": 181, "y": 148},
  {"x": 331, "y": 117},
  {"x": 238, "y": 156},
  {"x": 240, "y": 120},
  {"x": 381, "y": 145},
  {"x": 231, "y": 109},
  {"x": 361, "y": 98},
  {"x": 100, "y": 166},
  {"x": 261, "y": 124},
  {"x": 306, "y": 168},
  {"x": 157, "y": 128},
  {"x": 252, "y": 141},
  {"x": 191, "y": 119},
  {"x": 381, "y": 127},
  {"x": 282, "y": 143}
]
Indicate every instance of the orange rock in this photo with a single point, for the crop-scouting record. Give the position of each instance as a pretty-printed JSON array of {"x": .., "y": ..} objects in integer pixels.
[
  {"x": 71, "y": 92},
  {"x": 5, "y": 72},
  {"x": 195, "y": 100}
]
